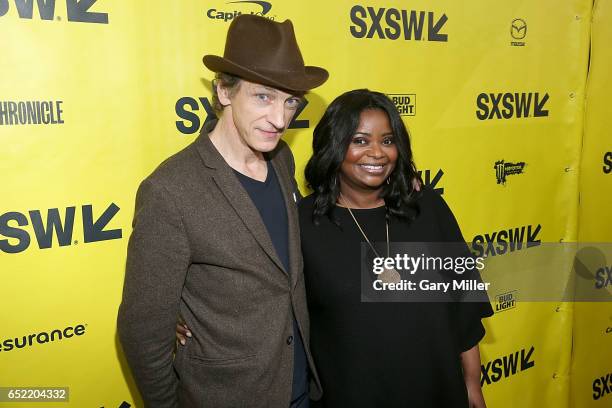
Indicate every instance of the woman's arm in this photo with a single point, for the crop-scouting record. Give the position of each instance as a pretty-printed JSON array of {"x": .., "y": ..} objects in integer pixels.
[
  {"x": 470, "y": 361},
  {"x": 182, "y": 332}
]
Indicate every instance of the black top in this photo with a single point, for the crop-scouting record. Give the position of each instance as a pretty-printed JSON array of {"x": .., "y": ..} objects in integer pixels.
[
  {"x": 268, "y": 198},
  {"x": 383, "y": 354}
]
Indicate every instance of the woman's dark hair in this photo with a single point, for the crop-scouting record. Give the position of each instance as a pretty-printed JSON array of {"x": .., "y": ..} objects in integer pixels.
[{"x": 331, "y": 140}]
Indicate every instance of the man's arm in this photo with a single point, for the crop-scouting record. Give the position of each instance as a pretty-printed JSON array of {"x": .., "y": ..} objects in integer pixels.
[{"x": 157, "y": 262}]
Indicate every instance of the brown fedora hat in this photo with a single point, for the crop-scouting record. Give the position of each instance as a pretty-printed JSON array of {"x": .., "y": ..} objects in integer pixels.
[{"x": 263, "y": 51}]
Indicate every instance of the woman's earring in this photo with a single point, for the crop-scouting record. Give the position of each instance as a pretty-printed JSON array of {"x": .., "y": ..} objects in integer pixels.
[
  {"x": 388, "y": 182},
  {"x": 335, "y": 181}
]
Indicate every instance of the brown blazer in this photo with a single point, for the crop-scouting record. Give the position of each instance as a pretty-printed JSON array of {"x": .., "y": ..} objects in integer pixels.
[{"x": 199, "y": 249}]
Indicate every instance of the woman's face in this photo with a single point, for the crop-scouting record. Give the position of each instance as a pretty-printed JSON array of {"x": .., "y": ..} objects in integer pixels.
[{"x": 371, "y": 155}]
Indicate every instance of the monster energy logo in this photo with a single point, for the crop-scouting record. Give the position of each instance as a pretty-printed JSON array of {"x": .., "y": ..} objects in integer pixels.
[{"x": 503, "y": 169}]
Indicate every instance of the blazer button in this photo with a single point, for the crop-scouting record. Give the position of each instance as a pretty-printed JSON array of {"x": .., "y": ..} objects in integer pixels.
[{"x": 289, "y": 340}]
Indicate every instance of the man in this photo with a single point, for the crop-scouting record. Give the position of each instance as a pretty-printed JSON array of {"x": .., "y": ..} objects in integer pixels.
[{"x": 216, "y": 241}]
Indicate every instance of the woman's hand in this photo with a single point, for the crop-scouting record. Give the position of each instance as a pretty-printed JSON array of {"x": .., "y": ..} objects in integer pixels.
[
  {"x": 470, "y": 361},
  {"x": 475, "y": 397},
  {"x": 182, "y": 332}
]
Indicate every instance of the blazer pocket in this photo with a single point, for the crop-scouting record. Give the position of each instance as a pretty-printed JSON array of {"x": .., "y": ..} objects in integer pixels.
[
  {"x": 227, "y": 382},
  {"x": 220, "y": 361}
]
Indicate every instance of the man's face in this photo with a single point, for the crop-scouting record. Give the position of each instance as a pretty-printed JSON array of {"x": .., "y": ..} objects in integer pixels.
[{"x": 260, "y": 113}]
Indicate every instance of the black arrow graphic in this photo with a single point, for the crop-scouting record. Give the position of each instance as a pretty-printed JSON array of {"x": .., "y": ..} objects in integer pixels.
[
  {"x": 94, "y": 231},
  {"x": 78, "y": 12},
  {"x": 433, "y": 33},
  {"x": 432, "y": 183},
  {"x": 525, "y": 359},
  {"x": 537, "y": 110},
  {"x": 532, "y": 235}
]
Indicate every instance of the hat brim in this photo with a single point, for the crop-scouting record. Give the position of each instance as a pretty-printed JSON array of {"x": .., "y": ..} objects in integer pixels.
[{"x": 312, "y": 77}]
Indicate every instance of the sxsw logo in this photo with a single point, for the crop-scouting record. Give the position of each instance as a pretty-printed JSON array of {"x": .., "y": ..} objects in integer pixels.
[
  {"x": 506, "y": 366},
  {"x": 77, "y": 11},
  {"x": 405, "y": 103},
  {"x": 504, "y": 169},
  {"x": 607, "y": 163},
  {"x": 259, "y": 8},
  {"x": 391, "y": 24},
  {"x": 510, "y": 105},
  {"x": 197, "y": 112},
  {"x": 602, "y": 386},
  {"x": 124, "y": 404},
  {"x": 432, "y": 182},
  {"x": 603, "y": 277},
  {"x": 507, "y": 240},
  {"x": 518, "y": 31},
  {"x": 93, "y": 229},
  {"x": 505, "y": 301}
]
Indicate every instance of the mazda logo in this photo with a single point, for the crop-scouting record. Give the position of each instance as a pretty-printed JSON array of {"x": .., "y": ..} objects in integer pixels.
[{"x": 518, "y": 30}]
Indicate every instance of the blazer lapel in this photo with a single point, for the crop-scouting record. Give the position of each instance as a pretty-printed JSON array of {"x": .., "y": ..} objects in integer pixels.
[
  {"x": 238, "y": 198},
  {"x": 293, "y": 229}
]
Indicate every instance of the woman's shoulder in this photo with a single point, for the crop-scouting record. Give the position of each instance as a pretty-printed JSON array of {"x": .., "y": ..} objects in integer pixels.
[
  {"x": 434, "y": 209},
  {"x": 430, "y": 200},
  {"x": 428, "y": 195},
  {"x": 306, "y": 204},
  {"x": 305, "y": 209}
]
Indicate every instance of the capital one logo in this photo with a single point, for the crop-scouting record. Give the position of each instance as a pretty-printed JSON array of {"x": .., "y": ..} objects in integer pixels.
[
  {"x": 77, "y": 11},
  {"x": 265, "y": 6},
  {"x": 228, "y": 15}
]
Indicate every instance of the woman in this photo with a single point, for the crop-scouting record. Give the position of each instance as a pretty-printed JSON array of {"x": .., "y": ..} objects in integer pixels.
[{"x": 379, "y": 354}]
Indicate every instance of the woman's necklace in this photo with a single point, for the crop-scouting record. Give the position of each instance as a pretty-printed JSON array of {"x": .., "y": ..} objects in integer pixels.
[{"x": 388, "y": 275}]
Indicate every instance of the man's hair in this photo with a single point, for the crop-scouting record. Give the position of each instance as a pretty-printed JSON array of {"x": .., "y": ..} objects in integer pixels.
[
  {"x": 227, "y": 81},
  {"x": 331, "y": 139}
]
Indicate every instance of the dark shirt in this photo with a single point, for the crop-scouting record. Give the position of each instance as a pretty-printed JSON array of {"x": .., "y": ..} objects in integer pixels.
[
  {"x": 268, "y": 198},
  {"x": 392, "y": 355}
]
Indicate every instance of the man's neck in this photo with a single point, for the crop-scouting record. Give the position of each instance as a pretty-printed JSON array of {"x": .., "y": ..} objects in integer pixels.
[{"x": 237, "y": 154}]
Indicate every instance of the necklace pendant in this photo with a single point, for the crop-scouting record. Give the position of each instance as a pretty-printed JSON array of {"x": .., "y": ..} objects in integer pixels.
[{"x": 390, "y": 275}]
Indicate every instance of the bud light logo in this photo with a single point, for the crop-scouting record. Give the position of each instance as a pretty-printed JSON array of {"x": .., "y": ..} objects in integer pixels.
[{"x": 405, "y": 103}]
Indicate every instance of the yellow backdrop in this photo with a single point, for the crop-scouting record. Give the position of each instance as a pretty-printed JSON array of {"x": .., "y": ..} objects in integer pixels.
[{"x": 95, "y": 94}]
